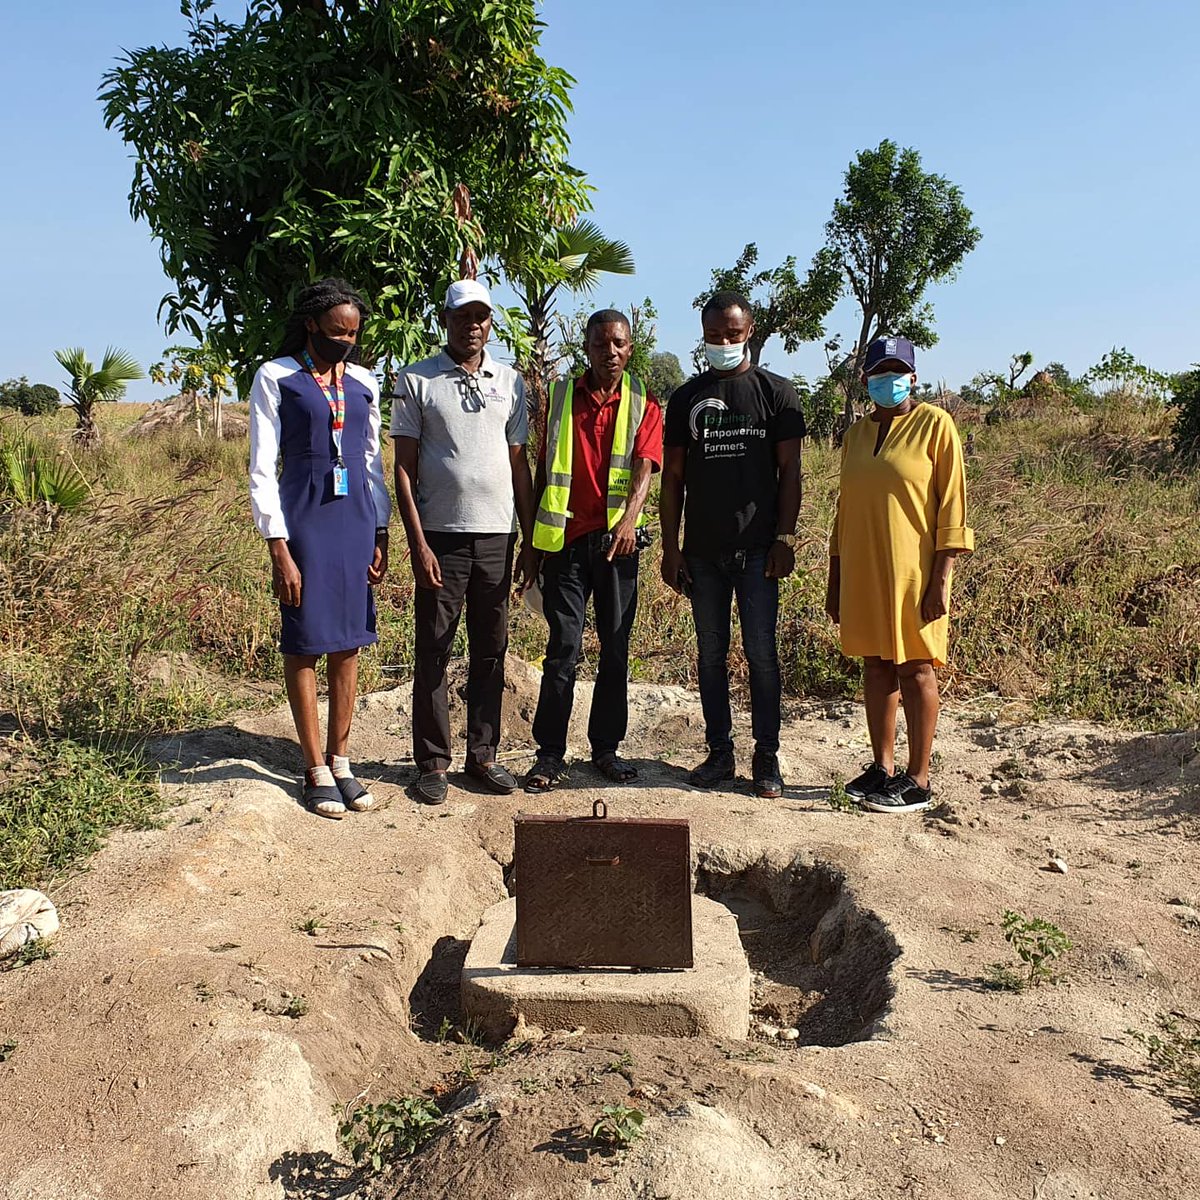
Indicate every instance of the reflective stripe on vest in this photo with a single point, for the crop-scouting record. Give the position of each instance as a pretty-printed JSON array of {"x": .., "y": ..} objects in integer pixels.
[{"x": 549, "y": 530}]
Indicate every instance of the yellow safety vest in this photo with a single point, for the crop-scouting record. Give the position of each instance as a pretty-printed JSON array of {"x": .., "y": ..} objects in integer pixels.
[{"x": 549, "y": 530}]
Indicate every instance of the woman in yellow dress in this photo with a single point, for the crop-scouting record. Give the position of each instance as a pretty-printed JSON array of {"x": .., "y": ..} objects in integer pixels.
[{"x": 901, "y": 521}]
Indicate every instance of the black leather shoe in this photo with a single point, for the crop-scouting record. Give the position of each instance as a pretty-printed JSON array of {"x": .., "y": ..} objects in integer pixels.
[
  {"x": 718, "y": 767},
  {"x": 768, "y": 781},
  {"x": 432, "y": 787},
  {"x": 493, "y": 777}
]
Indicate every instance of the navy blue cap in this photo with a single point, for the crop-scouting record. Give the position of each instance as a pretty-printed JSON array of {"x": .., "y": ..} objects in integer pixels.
[{"x": 886, "y": 349}]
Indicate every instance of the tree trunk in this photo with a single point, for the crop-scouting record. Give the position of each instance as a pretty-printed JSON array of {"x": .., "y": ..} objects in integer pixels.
[
  {"x": 756, "y": 343},
  {"x": 853, "y": 384},
  {"x": 536, "y": 371},
  {"x": 87, "y": 432},
  {"x": 217, "y": 413}
]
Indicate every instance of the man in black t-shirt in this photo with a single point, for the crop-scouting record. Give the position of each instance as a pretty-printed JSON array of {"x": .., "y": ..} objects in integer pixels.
[{"x": 731, "y": 471}]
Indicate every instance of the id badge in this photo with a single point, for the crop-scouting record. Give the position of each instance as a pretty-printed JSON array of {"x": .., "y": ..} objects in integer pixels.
[{"x": 341, "y": 482}]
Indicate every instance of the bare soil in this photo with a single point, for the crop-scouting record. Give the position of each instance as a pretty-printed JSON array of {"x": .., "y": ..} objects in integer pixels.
[{"x": 222, "y": 983}]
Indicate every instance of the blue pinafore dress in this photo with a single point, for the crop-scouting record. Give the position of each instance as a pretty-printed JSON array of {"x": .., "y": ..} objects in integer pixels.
[{"x": 331, "y": 538}]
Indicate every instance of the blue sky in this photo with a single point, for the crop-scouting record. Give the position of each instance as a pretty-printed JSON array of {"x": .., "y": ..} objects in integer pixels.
[{"x": 1070, "y": 127}]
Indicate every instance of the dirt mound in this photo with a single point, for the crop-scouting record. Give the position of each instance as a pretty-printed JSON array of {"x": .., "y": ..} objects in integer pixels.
[
  {"x": 224, "y": 980},
  {"x": 179, "y": 412}
]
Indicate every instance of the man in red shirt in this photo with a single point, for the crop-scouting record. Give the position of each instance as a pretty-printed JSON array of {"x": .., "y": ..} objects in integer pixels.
[{"x": 599, "y": 543}]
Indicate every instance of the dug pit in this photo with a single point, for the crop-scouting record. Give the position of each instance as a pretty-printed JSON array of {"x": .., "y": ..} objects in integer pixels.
[
  {"x": 781, "y": 945},
  {"x": 822, "y": 964}
]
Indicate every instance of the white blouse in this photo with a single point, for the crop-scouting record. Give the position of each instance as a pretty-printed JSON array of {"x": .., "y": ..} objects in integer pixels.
[{"x": 264, "y": 447}]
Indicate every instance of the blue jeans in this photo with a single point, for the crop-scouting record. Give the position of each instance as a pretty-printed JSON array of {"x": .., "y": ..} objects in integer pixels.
[{"x": 715, "y": 581}]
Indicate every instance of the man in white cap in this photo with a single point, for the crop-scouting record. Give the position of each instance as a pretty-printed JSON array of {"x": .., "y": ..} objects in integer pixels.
[{"x": 462, "y": 483}]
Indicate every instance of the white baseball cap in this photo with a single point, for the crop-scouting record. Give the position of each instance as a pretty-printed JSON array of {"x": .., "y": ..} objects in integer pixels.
[{"x": 466, "y": 291}]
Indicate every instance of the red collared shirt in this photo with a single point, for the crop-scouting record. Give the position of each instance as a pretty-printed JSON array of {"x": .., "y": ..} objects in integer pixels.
[{"x": 594, "y": 417}]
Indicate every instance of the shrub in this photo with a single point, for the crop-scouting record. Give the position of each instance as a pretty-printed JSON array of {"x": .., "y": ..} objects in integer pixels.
[
  {"x": 32, "y": 399},
  {"x": 1037, "y": 943},
  {"x": 373, "y": 1132},
  {"x": 1185, "y": 398}
]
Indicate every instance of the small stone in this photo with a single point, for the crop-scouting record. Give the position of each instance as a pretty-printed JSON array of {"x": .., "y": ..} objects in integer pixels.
[
  {"x": 1000, "y": 1141},
  {"x": 767, "y": 1031},
  {"x": 789, "y": 1035},
  {"x": 991, "y": 789},
  {"x": 1059, "y": 865},
  {"x": 140, "y": 1082}
]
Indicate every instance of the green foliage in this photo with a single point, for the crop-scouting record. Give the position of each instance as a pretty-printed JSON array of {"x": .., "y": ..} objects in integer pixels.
[
  {"x": 822, "y": 405},
  {"x": 330, "y": 140},
  {"x": 781, "y": 303},
  {"x": 1185, "y": 399},
  {"x": 839, "y": 799},
  {"x": 618, "y": 1126},
  {"x": 664, "y": 374},
  {"x": 895, "y": 230},
  {"x": 1174, "y": 1051},
  {"x": 201, "y": 373},
  {"x": 290, "y": 1006},
  {"x": 642, "y": 318},
  {"x": 88, "y": 386},
  {"x": 1037, "y": 943},
  {"x": 31, "y": 399},
  {"x": 39, "y": 950},
  {"x": 61, "y": 798},
  {"x": 1000, "y": 977},
  {"x": 373, "y": 1133},
  {"x": 1119, "y": 373},
  {"x": 32, "y": 475}
]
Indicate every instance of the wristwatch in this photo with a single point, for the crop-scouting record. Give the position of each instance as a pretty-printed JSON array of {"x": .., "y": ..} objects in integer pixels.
[{"x": 788, "y": 539}]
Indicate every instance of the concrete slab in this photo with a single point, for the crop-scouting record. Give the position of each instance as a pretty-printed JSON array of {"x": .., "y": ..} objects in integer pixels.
[{"x": 711, "y": 999}]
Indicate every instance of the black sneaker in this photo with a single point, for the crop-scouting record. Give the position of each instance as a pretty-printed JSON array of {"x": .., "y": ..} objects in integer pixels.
[
  {"x": 718, "y": 767},
  {"x": 768, "y": 782},
  {"x": 873, "y": 779},
  {"x": 901, "y": 794}
]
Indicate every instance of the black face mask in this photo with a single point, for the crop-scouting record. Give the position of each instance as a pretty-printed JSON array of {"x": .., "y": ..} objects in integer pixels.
[{"x": 329, "y": 349}]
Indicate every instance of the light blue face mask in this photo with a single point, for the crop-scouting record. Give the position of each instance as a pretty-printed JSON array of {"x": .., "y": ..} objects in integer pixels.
[
  {"x": 889, "y": 390},
  {"x": 725, "y": 358}
]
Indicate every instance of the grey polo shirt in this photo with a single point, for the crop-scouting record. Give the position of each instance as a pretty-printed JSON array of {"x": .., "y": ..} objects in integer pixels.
[{"x": 464, "y": 478}]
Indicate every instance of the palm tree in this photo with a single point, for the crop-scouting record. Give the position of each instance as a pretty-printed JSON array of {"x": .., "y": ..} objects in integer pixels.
[
  {"x": 89, "y": 386},
  {"x": 574, "y": 258}
]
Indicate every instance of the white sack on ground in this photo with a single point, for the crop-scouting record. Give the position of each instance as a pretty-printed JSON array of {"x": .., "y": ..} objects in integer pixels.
[{"x": 25, "y": 916}]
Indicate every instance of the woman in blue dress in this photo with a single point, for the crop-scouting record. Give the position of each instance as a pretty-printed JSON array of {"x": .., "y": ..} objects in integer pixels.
[{"x": 324, "y": 514}]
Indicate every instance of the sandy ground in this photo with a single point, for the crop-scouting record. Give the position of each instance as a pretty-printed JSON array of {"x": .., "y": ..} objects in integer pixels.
[{"x": 222, "y": 983}]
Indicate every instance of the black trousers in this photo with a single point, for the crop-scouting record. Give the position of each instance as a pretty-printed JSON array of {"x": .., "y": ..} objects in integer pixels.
[
  {"x": 477, "y": 570},
  {"x": 572, "y": 575}
]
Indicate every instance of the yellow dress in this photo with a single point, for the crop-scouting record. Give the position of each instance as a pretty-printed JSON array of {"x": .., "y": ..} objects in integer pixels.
[{"x": 895, "y": 510}]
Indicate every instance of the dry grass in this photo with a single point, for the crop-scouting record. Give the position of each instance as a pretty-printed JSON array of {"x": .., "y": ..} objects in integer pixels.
[{"x": 1078, "y": 601}]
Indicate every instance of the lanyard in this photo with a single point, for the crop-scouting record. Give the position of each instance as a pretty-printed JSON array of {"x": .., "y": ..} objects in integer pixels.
[{"x": 335, "y": 394}]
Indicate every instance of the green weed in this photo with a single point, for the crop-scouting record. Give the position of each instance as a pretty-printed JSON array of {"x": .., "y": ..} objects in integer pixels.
[
  {"x": 372, "y": 1133},
  {"x": 618, "y": 1126},
  {"x": 1037, "y": 943},
  {"x": 1000, "y": 977},
  {"x": 1174, "y": 1052},
  {"x": 293, "y": 1007},
  {"x": 61, "y": 798},
  {"x": 839, "y": 799}
]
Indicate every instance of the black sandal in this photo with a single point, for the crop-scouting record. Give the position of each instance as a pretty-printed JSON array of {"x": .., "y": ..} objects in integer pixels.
[
  {"x": 319, "y": 799},
  {"x": 545, "y": 773},
  {"x": 614, "y": 768},
  {"x": 356, "y": 797}
]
